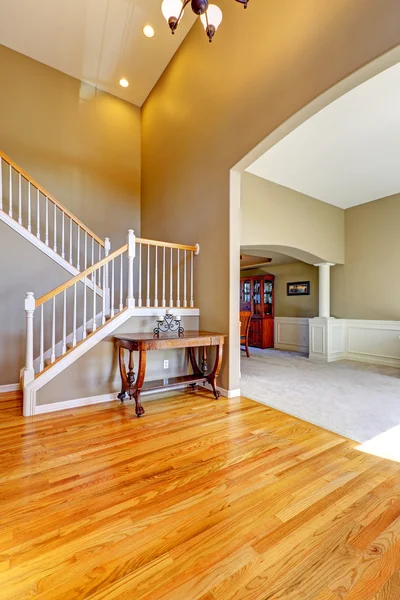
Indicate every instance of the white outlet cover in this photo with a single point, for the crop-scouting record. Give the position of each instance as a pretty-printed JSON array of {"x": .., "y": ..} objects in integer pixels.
[{"x": 166, "y": 364}]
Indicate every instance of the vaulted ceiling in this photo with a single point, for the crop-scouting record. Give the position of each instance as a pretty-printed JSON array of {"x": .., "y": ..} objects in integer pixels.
[
  {"x": 96, "y": 41},
  {"x": 348, "y": 153}
]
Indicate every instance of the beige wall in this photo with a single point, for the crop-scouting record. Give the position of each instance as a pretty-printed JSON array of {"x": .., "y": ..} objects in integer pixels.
[
  {"x": 274, "y": 215},
  {"x": 100, "y": 365},
  {"x": 81, "y": 144},
  {"x": 368, "y": 285},
  {"x": 291, "y": 306},
  {"x": 84, "y": 147},
  {"x": 215, "y": 102}
]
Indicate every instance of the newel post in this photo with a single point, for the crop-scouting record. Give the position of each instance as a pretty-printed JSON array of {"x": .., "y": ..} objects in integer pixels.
[
  {"x": 29, "y": 373},
  {"x": 130, "y": 301},
  {"x": 107, "y": 248}
]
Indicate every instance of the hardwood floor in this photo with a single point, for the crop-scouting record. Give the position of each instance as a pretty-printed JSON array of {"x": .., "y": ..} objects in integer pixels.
[{"x": 199, "y": 500}]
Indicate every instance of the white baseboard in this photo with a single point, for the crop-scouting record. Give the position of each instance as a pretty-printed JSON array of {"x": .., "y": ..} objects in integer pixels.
[
  {"x": 80, "y": 402},
  {"x": 10, "y": 387},
  {"x": 68, "y": 404},
  {"x": 291, "y": 348}
]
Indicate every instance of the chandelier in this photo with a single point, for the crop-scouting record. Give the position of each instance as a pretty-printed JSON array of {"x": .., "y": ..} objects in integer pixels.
[{"x": 210, "y": 15}]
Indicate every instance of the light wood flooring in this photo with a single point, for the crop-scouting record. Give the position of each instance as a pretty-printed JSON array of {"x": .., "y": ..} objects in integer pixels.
[{"x": 199, "y": 500}]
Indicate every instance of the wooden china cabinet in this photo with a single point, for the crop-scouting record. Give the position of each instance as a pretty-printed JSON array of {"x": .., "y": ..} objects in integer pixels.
[{"x": 257, "y": 296}]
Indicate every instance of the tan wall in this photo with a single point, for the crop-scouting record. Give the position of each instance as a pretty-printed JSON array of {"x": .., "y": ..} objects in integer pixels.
[
  {"x": 292, "y": 306},
  {"x": 84, "y": 147},
  {"x": 368, "y": 285},
  {"x": 100, "y": 365},
  {"x": 215, "y": 102},
  {"x": 274, "y": 215}
]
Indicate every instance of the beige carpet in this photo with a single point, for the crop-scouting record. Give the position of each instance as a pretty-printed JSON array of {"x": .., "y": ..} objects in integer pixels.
[{"x": 357, "y": 400}]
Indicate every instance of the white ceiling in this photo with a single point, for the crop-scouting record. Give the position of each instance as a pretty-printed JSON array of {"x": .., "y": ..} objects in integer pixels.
[
  {"x": 96, "y": 41},
  {"x": 349, "y": 152}
]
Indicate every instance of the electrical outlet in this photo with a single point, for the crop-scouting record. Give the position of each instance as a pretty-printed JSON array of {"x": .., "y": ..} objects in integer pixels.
[{"x": 166, "y": 364}]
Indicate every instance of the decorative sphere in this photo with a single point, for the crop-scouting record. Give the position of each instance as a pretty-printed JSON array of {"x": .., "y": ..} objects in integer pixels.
[{"x": 199, "y": 6}]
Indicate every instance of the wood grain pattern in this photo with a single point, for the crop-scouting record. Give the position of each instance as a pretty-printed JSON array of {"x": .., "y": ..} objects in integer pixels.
[{"x": 202, "y": 500}]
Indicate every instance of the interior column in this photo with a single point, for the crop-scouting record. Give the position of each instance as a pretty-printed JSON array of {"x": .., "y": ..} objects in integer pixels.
[{"x": 325, "y": 289}]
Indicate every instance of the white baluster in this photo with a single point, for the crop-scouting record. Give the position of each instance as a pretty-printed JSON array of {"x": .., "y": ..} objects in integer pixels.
[
  {"x": 85, "y": 260},
  {"x": 107, "y": 247},
  {"x": 10, "y": 208},
  {"x": 103, "y": 310},
  {"x": 47, "y": 222},
  {"x": 148, "y": 275},
  {"x": 156, "y": 278},
  {"x": 140, "y": 276},
  {"x": 38, "y": 215},
  {"x": 29, "y": 208},
  {"x": 94, "y": 309},
  {"x": 74, "y": 320},
  {"x": 121, "y": 302},
  {"x": 78, "y": 249},
  {"x": 41, "y": 351},
  {"x": 19, "y": 199},
  {"x": 29, "y": 373},
  {"x": 63, "y": 234},
  {"x": 64, "y": 342},
  {"x": 163, "y": 280},
  {"x": 171, "y": 299},
  {"x": 94, "y": 272},
  {"x": 178, "y": 285},
  {"x": 184, "y": 280},
  {"x": 70, "y": 241},
  {"x": 55, "y": 228},
  {"x": 1, "y": 184},
  {"x": 112, "y": 311},
  {"x": 191, "y": 281},
  {"x": 130, "y": 302},
  {"x": 53, "y": 332},
  {"x": 99, "y": 270},
  {"x": 84, "y": 329}
]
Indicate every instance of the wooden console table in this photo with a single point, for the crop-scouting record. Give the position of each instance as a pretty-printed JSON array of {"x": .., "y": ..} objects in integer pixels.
[{"x": 142, "y": 342}]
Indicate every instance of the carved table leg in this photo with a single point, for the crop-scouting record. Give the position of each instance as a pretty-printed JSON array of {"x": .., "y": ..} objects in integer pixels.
[
  {"x": 124, "y": 378},
  {"x": 139, "y": 382},
  {"x": 193, "y": 362},
  {"x": 212, "y": 378}
]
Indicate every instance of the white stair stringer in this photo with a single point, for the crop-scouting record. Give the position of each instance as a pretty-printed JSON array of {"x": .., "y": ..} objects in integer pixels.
[
  {"x": 30, "y": 237},
  {"x": 30, "y": 390}
]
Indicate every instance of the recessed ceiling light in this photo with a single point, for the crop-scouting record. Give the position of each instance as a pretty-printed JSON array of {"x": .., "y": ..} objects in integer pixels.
[
  {"x": 123, "y": 82},
  {"x": 148, "y": 31}
]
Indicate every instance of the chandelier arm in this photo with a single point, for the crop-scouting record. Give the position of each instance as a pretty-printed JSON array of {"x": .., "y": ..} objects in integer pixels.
[{"x": 184, "y": 5}]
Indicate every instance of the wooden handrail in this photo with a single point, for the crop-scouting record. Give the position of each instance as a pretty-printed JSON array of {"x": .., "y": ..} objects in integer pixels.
[
  {"x": 52, "y": 199},
  {"x": 80, "y": 276},
  {"x": 166, "y": 245}
]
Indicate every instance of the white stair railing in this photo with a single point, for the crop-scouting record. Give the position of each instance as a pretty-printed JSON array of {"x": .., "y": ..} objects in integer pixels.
[
  {"x": 162, "y": 262},
  {"x": 70, "y": 313},
  {"x": 31, "y": 210}
]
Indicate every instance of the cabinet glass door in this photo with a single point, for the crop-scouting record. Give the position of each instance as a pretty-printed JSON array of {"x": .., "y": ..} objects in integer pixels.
[
  {"x": 268, "y": 297},
  {"x": 246, "y": 291},
  {"x": 257, "y": 291}
]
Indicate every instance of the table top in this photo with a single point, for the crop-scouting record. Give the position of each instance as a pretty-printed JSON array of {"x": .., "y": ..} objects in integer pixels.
[
  {"x": 166, "y": 336},
  {"x": 150, "y": 341}
]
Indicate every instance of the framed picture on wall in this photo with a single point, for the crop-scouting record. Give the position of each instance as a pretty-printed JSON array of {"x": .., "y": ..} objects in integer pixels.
[{"x": 298, "y": 288}]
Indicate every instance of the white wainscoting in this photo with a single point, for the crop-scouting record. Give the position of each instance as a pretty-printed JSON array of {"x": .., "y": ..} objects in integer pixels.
[
  {"x": 291, "y": 333},
  {"x": 375, "y": 342}
]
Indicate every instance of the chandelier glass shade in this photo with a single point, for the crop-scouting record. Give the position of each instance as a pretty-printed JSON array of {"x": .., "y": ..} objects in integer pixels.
[{"x": 210, "y": 14}]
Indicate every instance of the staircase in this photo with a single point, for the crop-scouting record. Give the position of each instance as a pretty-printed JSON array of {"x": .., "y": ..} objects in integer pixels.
[{"x": 143, "y": 277}]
